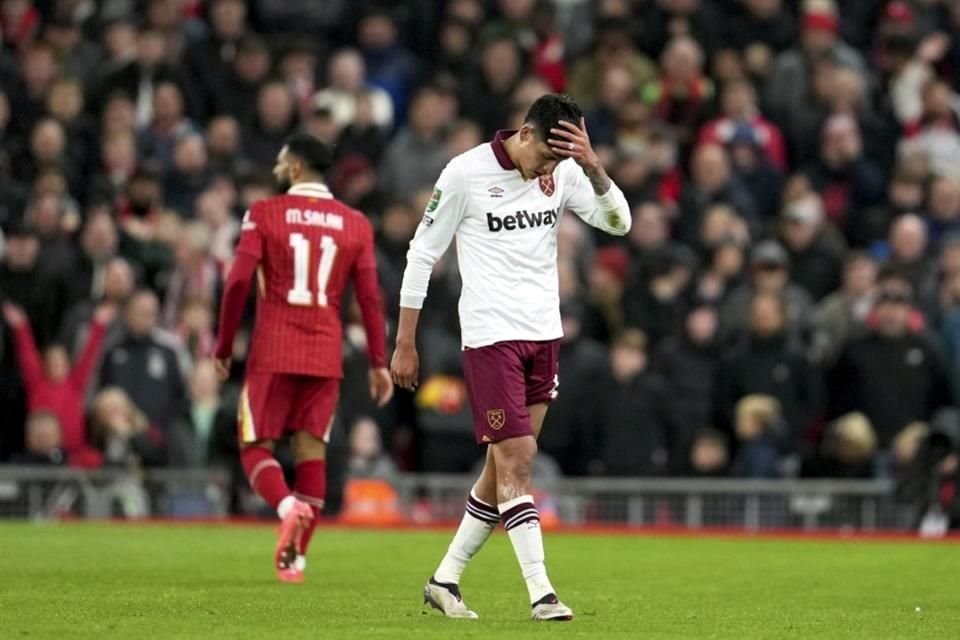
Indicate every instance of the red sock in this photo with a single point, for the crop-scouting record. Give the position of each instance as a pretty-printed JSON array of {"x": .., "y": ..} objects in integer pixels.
[
  {"x": 311, "y": 487},
  {"x": 265, "y": 474}
]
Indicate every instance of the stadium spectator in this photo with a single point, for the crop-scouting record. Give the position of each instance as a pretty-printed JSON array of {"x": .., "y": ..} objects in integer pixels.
[
  {"x": 224, "y": 153},
  {"x": 122, "y": 432},
  {"x": 770, "y": 364},
  {"x": 418, "y": 153},
  {"x": 894, "y": 375},
  {"x": 201, "y": 421},
  {"x": 54, "y": 384},
  {"x": 943, "y": 210},
  {"x": 846, "y": 449},
  {"x": 569, "y": 433},
  {"x": 841, "y": 316},
  {"x": 367, "y": 458},
  {"x": 347, "y": 78},
  {"x": 769, "y": 274},
  {"x": 390, "y": 66},
  {"x": 25, "y": 281},
  {"x": 687, "y": 363},
  {"x": 848, "y": 182},
  {"x": 908, "y": 250},
  {"x": 144, "y": 364},
  {"x": 167, "y": 125},
  {"x": 816, "y": 250},
  {"x": 485, "y": 93},
  {"x": 189, "y": 176},
  {"x": 738, "y": 102},
  {"x": 274, "y": 121},
  {"x": 249, "y": 70},
  {"x": 44, "y": 441},
  {"x": 118, "y": 283},
  {"x": 98, "y": 245},
  {"x": 633, "y": 426},
  {"x": 613, "y": 49},
  {"x": 711, "y": 182}
]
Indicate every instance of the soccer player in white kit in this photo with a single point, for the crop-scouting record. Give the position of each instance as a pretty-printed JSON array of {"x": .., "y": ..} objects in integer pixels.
[{"x": 502, "y": 201}]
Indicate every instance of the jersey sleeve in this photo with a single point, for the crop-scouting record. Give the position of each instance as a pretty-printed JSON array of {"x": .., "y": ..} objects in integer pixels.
[
  {"x": 442, "y": 218},
  {"x": 609, "y": 212},
  {"x": 251, "y": 234}
]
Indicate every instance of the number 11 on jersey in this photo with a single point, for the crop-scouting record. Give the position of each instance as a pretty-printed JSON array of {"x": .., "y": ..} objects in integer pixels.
[{"x": 300, "y": 294}]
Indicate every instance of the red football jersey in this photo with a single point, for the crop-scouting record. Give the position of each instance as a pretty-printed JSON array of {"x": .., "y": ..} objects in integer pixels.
[{"x": 309, "y": 245}]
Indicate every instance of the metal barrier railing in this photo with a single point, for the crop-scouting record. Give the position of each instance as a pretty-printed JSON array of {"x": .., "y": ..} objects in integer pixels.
[
  {"x": 54, "y": 492},
  {"x": 51, "y": 492},
  {"x": 686, "y": 502}
]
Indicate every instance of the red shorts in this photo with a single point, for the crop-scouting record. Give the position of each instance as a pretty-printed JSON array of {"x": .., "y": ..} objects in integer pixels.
[
  {"x": 272, "y": 404},
  {"x": 505, "y": 378}
]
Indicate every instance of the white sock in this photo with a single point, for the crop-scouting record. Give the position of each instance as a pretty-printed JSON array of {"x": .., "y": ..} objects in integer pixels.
[
  {"x": 285, "y": 505},
  {"x": 522, "y": 522},
  {"x": 300, "y": 562},
  {"x": 479, "y": 521}
]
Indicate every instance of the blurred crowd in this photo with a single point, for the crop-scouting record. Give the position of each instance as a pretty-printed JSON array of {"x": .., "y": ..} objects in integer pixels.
[{"x": 787, "y": 304}]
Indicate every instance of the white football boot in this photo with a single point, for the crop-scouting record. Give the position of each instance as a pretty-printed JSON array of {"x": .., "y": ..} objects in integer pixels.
[
  {"x": 446, "y": 599},
  {"x": 550, "y": 608}
]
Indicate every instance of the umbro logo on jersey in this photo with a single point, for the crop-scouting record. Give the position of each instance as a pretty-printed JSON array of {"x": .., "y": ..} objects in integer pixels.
[
  {"x": 521, "y": 220},
  {"x": 495, "y": 192}
]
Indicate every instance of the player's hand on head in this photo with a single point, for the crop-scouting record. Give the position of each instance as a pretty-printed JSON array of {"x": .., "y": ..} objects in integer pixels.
[
  {"x": 405, "y": 367},
  {"x": 570, "y": 140},
  {"x": 381, "y": 385},
  {"x": 222, "y": 365}
]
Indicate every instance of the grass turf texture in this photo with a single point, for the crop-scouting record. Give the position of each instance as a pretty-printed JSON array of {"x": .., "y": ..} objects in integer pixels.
[{"x": 158, "y": 581}]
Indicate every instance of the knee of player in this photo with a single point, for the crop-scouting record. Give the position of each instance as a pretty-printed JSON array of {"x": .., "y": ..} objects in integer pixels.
[{"x": 515, "y": 456}]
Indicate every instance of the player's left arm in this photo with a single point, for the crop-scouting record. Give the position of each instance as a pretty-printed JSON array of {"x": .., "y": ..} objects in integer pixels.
[
  {"x": 590, "y": 193},
  {"x": 366, "y": 283},
  {"x": 236, "y": 289}
]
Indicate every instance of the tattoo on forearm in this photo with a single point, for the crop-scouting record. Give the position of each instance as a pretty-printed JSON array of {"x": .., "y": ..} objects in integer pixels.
[{"x": 599, "y": 180}]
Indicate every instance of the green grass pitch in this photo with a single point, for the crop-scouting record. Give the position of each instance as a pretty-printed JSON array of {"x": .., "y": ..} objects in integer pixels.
[{"x": 157, "y": 581}]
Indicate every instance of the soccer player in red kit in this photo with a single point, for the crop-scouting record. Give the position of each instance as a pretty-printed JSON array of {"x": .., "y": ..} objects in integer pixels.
[{"x": 304, "y": 247}]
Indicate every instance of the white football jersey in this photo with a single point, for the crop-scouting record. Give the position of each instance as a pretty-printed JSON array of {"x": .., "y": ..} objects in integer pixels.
[{"x": 506, "y": 230}]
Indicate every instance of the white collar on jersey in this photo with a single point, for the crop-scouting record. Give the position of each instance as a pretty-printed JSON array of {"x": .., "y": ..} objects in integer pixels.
[{"x": 310, "y": 189}]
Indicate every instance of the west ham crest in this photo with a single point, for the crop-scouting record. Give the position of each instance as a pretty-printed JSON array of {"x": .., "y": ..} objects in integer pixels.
[{"x": 547, "y": 185}]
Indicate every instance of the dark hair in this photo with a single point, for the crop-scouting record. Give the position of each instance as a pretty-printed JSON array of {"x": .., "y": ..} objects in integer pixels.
[
  {"x": 315, "y": 154},
  {"x": 548, "y": 110}
]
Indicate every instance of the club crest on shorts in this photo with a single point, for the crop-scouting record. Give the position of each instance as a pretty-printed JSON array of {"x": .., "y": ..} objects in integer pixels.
[
  {"x": 547, "y": 185},
  {"x": 496, "y": 419}
]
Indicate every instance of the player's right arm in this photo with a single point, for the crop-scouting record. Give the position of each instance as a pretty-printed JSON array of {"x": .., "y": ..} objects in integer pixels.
[
  {"x": 237, "y": 288},
  {"x": 440, "y": 222}
]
